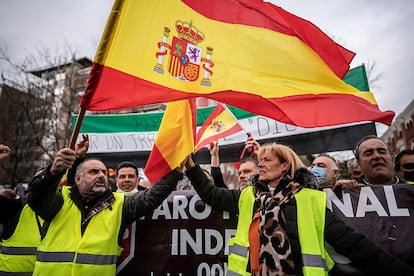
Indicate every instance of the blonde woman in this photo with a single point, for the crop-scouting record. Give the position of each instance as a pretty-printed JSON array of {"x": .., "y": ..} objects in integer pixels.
[{"x": 283, "y": 222}]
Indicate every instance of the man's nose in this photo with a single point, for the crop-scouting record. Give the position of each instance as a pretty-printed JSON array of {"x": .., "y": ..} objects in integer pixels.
[
  {"x": 101, "y": 173},
  {"x": 376, "y": 154}
]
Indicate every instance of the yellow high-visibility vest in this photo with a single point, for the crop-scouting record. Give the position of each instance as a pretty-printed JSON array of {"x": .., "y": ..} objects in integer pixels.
[
  {"x": 239, "y": 244},
  {"x": 64, "y": 251},
  {"x": 311, "y": 211},
  {"x": 18, "y": 253},
  {"x": 311, "y": 208}
]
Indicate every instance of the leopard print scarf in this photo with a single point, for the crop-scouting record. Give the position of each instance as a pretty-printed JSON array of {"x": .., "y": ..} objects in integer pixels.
[{"x": 275, "y": 251}]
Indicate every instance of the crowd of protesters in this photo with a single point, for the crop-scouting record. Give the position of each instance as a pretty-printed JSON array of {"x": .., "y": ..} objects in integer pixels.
[{"x": 77, "y": 229}]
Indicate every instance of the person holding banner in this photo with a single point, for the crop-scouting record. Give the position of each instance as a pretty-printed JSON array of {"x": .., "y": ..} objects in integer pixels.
[
  {"x": 84, "y": 224},
  {"x": 283, "y": 222},
  {"x": 375, "y": 161}
]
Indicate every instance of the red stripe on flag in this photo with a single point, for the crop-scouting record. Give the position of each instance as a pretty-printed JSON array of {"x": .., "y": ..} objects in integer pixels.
[
  {"x": 226, "y": 124},
  {"x": 115, "y": 86},
  {"x": 159, "y": 167},
  {"x": 174, "y": 141},
  {"x": 210, "y": 139}
]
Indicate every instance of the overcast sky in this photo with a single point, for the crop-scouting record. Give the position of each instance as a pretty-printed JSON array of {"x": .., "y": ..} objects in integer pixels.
[{"x": 377, "y": 31}]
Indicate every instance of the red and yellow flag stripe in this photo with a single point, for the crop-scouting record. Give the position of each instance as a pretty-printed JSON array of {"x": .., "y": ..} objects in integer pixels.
[
  {"x": 250, "y": 52},
  {"x": 174, "y": 141}
]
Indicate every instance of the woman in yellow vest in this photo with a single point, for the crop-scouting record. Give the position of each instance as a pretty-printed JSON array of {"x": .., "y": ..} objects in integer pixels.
[{"x": 283, "y": 222}]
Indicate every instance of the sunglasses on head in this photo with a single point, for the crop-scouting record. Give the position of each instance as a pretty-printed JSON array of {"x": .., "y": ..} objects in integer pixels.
[{"x": 408, "y": 166}]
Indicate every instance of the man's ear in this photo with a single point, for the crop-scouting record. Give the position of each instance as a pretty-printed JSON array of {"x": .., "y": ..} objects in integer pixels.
[{"x": 77, "y": 179}]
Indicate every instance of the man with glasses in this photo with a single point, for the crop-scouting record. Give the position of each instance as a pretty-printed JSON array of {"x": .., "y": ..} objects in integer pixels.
[{"x": 404, "y": 165}]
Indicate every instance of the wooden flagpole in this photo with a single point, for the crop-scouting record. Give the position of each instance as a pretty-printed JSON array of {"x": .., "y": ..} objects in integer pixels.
[{"x": 76, "y": 129}]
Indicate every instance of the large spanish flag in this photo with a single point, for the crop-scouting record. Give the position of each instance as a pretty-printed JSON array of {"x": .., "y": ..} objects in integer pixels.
[
  {"x": 247, "y": 53},
  {"x": 175, "y": 139}
]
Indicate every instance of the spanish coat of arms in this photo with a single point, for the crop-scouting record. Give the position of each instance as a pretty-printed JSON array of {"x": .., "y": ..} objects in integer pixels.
[{"x": 185, "y": 57}]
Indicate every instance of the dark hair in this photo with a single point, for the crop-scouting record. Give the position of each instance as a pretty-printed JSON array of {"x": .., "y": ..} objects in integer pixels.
[
  {"x": 356, "y": 151},
  {"x": 127, "y": 164},
  {"x": 249, "y": 159},
  {"x": 397, "y": 161}
]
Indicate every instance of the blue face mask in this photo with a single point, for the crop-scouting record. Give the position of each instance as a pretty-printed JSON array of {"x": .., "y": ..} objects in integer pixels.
[{"x": 320, "y": 174}]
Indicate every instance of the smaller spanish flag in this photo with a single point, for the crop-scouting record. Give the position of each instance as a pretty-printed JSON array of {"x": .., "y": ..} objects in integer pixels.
[
  {"x": 219, "y": 124},
  {"x": 175, "y": 139}
]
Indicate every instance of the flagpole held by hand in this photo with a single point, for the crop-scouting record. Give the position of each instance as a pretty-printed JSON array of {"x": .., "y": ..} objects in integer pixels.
[
  {"x": 76, "y": 129},
  {"x": 249, "y": 138}
]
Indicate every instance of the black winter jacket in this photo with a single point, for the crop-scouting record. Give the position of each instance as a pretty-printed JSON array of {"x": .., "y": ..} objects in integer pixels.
[
  {"x": 46, "y": 201},
  {"x": 363, "y": 253}
]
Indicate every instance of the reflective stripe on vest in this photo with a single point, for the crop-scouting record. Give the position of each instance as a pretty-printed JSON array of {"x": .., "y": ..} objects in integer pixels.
[
  {"x": 314, "y": 260},
  {"x": 239, "y": 250},
  {"x": 96, "y": 259},
  {"x": 238, "y": 258},
  {"x": 311, "y": 211},
  {"x": 15, "y": 273},
  {"x": 18, "y": 250},
  {"x": 62, "y": 257},
  {"x": 232, "y": 273},
  {"x": 56, "y": 257}
]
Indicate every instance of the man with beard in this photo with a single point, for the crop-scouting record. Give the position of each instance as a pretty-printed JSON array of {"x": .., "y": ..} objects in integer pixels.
[{"x": 84, "y": 223}]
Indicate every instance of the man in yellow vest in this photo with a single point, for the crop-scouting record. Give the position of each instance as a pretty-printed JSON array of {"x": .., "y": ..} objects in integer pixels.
[
  {"x": 21, "y": 230},
  {"x": 20, "y": 236},
  {"x": 84, "y": 223}
]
